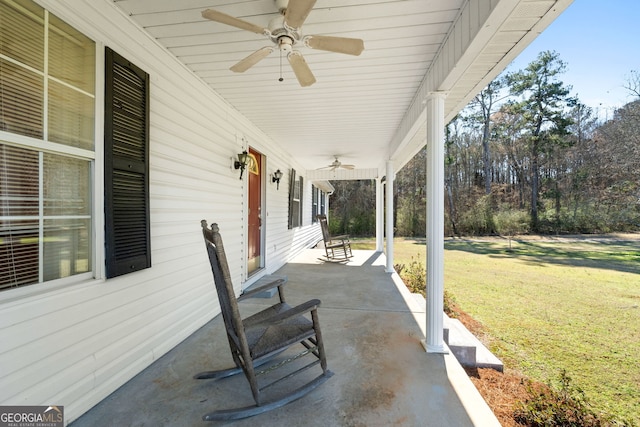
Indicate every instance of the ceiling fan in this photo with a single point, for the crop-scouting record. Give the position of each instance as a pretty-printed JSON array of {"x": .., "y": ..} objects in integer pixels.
[
  {"x": 338, "y": 164},
  {"x": 285, "y": 32}
]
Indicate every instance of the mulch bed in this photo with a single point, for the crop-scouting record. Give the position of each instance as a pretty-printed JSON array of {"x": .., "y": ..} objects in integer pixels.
[{"x": 501, "y": 390}]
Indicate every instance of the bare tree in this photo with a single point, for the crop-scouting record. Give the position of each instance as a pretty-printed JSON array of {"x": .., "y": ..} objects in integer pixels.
[
  {"x": 484, "y": 104},
  {"x": 632, "y": 84}
]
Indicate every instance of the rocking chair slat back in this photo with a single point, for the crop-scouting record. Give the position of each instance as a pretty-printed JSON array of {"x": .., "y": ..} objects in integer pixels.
[{"x": 222, "y": 278}]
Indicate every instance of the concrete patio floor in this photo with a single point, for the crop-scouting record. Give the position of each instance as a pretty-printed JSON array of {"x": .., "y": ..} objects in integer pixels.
[{"x": 372, "y": 329}]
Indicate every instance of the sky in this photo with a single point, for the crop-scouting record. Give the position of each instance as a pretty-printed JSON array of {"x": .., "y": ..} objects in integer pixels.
[{"x": 599, "y": 40}]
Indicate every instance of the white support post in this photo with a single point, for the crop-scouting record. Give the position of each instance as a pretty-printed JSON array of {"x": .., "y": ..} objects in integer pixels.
[
  {"x": 435, "y": 223},
  {"x": 389, "y": 234},
  {"x": 379, "y": 216}
]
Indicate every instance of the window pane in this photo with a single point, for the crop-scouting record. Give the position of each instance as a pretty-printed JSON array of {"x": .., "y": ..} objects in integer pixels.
[
  {"x": 296, "y": 213},
  {"x": 70, "y": 116},
  {"x": 71, "y": 55},
  {"x": 296, "y": 190},
  {"x": 66, "y": 247},
  {"x": 66, "y": 186},
  {"x": 18, "y": 182},
  {"x": 19, "y": 248},
  {"x": 21, "y": 100},
  {"x": 22, "y": 32}
]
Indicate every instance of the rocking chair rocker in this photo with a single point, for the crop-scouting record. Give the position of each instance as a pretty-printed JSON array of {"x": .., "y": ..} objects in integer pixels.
[{"x": 258, "y": 339}]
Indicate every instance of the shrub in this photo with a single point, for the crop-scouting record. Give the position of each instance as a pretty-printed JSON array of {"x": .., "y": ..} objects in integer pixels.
[
  {"x": 512, "y": 222},
  {"x": 479, "y": 219},
  {"x": 450, "y": 304},
  {"x": 565, "y": 407},
  {"x": 414, "y": 277}
]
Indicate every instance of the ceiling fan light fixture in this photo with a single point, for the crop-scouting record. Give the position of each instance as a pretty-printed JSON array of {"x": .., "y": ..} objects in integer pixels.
[{"x": 286, "y": 44}]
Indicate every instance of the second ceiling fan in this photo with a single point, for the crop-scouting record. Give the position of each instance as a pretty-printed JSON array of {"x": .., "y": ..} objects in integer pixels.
[
  {"x": 338, "y": 164},
  {"x": 285, "y": 33}
]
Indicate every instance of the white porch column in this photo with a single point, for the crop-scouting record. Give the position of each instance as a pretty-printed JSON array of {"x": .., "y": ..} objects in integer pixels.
[
  {"x": 379, "y": 216},
  {"x": 435, "y": 223},
  {"x": 389, "y": 234}
]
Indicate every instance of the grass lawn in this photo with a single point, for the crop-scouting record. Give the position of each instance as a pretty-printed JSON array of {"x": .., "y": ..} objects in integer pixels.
[{"x": 554, "y": 304}]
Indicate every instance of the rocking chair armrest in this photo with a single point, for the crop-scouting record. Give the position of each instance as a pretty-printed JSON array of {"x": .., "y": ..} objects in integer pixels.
[
  {"x": 305, "y": 307},
  {"x": 249, "y": 294},
  {"x": 341, "y": 237}
]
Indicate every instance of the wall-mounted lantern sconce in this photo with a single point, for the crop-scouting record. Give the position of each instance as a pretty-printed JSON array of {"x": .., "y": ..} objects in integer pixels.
[
  {"x": 242, "y": 162},
  {"x": 276, "y": 178}
]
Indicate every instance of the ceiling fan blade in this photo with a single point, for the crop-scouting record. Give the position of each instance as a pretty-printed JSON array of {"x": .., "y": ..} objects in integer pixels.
[
  {"x": 348, "y": 166},
  {"x": 223, "y": 18},
  {"x": 297, "y": 12},
  {"x": 301, "y": 69},
  {"x": 335, "y": 44},
  {"x": 251, "y": 60}
]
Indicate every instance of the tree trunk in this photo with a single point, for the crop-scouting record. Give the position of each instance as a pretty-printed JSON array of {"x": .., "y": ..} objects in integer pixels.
[
  {"x": 486, "y": 155},
  {"x": 535, "y": 178},
  {"x": 452, "y": 212}
]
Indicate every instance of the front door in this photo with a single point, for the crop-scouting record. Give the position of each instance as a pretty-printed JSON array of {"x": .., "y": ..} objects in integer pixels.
[{"x": 255, "y": 212}]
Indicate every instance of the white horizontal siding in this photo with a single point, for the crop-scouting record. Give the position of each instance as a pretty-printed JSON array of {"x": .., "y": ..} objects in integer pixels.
[{"x": 73, "y": 345}]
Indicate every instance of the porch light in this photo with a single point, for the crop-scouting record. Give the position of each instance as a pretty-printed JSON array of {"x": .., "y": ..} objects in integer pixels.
[
  {"x": 242, "y": 162},
  {"x": 276, "y": 178}
]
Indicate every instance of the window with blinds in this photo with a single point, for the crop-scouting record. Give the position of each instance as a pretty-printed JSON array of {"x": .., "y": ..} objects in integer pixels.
[{"x": 47, "y": 116}]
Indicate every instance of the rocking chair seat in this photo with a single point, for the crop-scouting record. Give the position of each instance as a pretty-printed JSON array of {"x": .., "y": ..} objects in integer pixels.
[{"x": 265, "y": 334}]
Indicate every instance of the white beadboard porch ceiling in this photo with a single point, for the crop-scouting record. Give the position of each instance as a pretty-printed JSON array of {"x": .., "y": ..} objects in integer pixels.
[{"x": 363, "y": 109}]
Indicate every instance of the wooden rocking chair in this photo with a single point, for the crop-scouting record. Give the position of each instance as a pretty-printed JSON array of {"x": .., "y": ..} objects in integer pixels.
[
  {"x": 258, "y": 339},
  {"x": 335, "y": 247}
]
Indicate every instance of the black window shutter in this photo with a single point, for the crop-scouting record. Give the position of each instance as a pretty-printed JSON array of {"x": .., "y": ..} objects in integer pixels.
[
  {"x": 126, "y": 145},
  {"x": 301, "y": 202},
  {"x": 292, "y": 184}
]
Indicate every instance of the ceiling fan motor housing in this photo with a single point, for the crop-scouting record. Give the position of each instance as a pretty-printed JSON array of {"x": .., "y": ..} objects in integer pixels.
[{"x": 278, "y": 31}]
